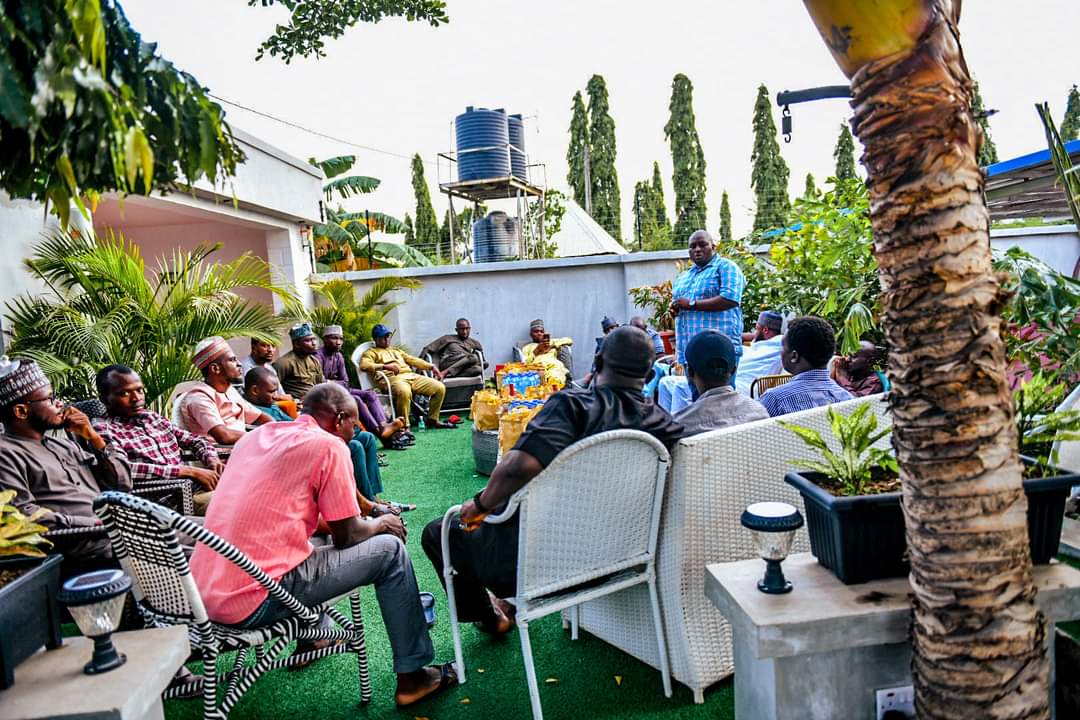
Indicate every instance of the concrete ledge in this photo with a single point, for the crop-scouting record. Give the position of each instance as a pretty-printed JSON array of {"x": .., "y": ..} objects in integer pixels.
[{"x": 822, "y": 614}]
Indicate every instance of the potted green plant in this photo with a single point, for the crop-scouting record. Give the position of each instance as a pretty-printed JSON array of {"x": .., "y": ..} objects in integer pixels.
[
  {"x": 853, "y": 502},
  {"x": 29, "y": 580},
  {"x": 657, "y": 300}
]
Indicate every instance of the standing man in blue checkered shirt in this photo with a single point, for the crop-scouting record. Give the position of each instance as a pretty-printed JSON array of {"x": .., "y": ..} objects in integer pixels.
[{"x": 706, "y": 296}]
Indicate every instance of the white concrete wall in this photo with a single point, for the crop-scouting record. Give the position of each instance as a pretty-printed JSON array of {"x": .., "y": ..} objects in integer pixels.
[
  {"x": 1057, "y": 245},
  {"x": 499, "y": 299}
]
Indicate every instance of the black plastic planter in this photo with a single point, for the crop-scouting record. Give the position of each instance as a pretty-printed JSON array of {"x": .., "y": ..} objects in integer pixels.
[
  {"x": 29, "y": 615},
  {"x": 862, "y": 538}
]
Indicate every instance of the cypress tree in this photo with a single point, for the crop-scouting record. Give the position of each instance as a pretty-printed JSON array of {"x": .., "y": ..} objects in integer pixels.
[
  {"x": 725, "y": 219},
  {"x": 810, "y": 192},
  {"x": 987, "y": 151},
  {"x": 604, "y": 181},
  {"x": 845, "y": 154},
  {"x": 769, "y": 177},
  {"x": 1070, "y": 124},
  {"x": 658, "y": 198},
  {"x": 410, "y": 233},
  {"x": 688, "y": 160},
  {"x": 575, "y": 153},
  {"x": 651, "y": 235},
  {"x": 426, "y": 226}
]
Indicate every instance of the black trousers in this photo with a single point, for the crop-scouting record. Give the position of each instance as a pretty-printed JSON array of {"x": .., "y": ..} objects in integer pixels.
[{"x": 485, "y": 559}]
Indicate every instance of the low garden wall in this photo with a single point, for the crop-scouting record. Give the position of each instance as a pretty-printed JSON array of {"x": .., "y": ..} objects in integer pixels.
[{"x": 499, "y": 299}]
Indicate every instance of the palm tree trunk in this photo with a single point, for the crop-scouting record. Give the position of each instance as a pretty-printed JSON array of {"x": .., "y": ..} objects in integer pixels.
[{"x": 978, "y": 638}]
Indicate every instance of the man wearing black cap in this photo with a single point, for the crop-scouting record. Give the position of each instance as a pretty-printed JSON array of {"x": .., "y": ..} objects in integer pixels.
[
  {"x": 763, "y": 355},
  {"x": 398, "y": 365},
  {"x": 710, "y": 358},
  {"x": 485, "y": 556}
]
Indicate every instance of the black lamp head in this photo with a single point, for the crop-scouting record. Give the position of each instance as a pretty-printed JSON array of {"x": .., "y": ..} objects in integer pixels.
[
  {"x": 96, "y": 602},
  {"x": 772, "y": 526}
]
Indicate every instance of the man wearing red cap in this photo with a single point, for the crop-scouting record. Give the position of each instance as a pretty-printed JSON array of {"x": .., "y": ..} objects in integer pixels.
[{"x": 214, "y": 407}]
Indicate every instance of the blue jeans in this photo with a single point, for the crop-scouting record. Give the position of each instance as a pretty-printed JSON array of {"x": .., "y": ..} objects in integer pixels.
[{"x": 364, "y": 449}]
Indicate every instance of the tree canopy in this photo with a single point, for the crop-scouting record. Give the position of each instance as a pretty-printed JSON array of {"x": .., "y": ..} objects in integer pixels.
[
  {"x": 577, "y": 151},
  {"x": 725, "y": 218},
  {"x": 425, "y": 224},
  {"x": 688, "y": 159},
  {"x": 844, "y": 154},
  {"x": 87, "y": 107},
  {"x": 312, "y": 22},
  {"x": 1070, "y": 124},
  {"x": 769, "y": 176},
  {"x": 603, "y": 178},
  {"x": 987, "y": 154}
]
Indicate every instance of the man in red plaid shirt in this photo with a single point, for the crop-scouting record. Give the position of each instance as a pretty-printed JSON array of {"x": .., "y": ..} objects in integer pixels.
[{"x": 152, "y": 443}]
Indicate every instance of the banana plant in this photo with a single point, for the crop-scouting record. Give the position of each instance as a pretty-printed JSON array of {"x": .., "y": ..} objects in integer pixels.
[
  {"x": 978, "y": 638},
  {"x": 354, "y": 228}
]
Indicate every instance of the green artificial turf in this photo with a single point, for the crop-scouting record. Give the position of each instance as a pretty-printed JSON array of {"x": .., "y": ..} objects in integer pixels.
[{"x": 586, "y": 678}]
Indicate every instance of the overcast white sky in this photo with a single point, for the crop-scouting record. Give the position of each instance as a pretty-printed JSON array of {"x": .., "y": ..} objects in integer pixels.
[{"x": 397, "y": 86}]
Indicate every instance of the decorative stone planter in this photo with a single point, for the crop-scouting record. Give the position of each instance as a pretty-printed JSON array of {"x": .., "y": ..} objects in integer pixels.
[
  {"x": 485, "y": 445},
  {"x": 29, "y": 615},
  {"x": 862, "y": 538}
]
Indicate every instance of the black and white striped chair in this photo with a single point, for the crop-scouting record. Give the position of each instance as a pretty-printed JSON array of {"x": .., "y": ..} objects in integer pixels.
[{"x": 144, "y": 538}]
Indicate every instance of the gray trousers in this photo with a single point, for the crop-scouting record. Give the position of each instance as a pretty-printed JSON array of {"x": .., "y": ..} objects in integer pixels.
[{"x": 382, "y": 561}]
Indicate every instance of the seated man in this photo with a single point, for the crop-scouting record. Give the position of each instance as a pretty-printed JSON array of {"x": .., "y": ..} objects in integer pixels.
[
  {"x": 657, "y": 341},
  {"x": 371, "y": 412},
  {"x": 710, "y": 358},
  {"x": 763, "y": 355},
  {"x": 857, "y": 373},
  {"x": 214, "y": 408},
  {"x": 152, "y": 443},
  {"x": 262, "y": 355},
  {"x": 404, "y": 382},
  {"x": 261, "y": 383},
  {"x": 299, "y": 370},
  {"x": 282, "y": 480},
  {"x": 607, "y": 324},
  {"x": 457, "y": 352},
  {"x": 54, "y": 473},
  {"x": 544, "y": 351},
  {"x": 807, "y": 347},
  {"x": 485, "y": 556}
]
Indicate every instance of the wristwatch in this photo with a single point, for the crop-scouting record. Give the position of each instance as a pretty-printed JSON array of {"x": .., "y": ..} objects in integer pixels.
[{"x": 693, "y": 303}]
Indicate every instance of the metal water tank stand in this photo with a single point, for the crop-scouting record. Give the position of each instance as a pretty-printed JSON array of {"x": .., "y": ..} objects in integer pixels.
[{"x": 522, "y": 191}]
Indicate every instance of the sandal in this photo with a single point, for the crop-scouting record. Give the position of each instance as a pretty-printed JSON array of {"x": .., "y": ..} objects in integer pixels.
[{"x": 447, "y": 679}]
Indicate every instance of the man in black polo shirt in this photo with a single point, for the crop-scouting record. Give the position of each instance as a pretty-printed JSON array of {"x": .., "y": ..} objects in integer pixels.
[{"x": 485, "y": 556}]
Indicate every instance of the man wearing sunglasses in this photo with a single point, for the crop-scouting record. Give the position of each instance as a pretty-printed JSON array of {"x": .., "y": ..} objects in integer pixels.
[{"x": 49, "y": 472}]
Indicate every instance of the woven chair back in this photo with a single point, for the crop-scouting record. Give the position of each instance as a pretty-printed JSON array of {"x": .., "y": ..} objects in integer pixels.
[
  {"x": 593, "y": 512},
  {"x": 767, "y": 382}
]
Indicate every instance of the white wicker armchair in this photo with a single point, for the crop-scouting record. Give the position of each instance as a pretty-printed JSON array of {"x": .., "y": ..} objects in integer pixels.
[
  {"x": 603, "y": 494},
  {"x": 714, "y": 476}
]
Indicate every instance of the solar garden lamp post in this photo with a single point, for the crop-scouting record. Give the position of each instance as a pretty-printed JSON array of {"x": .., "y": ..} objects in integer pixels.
[
  {"x": 772, "y": 526},
  {"x": 96, "y": 601}
]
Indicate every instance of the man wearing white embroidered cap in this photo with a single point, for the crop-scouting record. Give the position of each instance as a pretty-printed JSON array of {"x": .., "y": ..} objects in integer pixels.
[
  {"x": 214, "y": 407},
  {"x": 51, "y": 473}
]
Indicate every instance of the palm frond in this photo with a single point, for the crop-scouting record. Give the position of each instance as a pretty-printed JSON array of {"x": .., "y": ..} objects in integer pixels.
[
  {"x": 332, "y": 167},
  {"x": 350, "y": 185}
]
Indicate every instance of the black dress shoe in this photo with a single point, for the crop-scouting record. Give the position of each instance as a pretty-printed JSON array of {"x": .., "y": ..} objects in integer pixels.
[{"x": 440, "y": 425}]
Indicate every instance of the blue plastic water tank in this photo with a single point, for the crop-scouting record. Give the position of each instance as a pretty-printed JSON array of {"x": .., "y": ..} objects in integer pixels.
[
  {"x": 482, "y": 128},
  {"x": 496, "y": 237},
  {"x": 516, "y": 126}
]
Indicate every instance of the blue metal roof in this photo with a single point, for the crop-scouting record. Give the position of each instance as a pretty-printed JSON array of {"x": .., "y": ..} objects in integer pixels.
[{"x": 1029, "y": 160}]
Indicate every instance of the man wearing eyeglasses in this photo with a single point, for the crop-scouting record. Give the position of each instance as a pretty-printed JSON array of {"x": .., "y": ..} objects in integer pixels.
[
  {"x": 49, "y": 472},
  {"x": 214, "y": 407}
]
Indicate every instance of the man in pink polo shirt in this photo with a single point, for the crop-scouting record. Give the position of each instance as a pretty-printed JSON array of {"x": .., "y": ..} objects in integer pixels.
[
  {"x": 214, "y": 408},
  {"x": 282, "y": 479}
]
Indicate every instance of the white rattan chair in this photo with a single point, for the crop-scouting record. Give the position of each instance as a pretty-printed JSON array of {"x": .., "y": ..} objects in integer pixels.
[
  {"x": 144, "y": 538},
  {"x": 386, "y": 397},
  {"x": 714, "y": 476},
  {"x": 603, "y": 494}
]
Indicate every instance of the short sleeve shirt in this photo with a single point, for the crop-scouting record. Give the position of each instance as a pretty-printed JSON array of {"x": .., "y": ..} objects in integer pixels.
[
  {"x": 204, "y": 408},
  {"x": 281, "y": 477},
  {"x": 571, "y": 415},
  {"x": 719, "y": 276}
]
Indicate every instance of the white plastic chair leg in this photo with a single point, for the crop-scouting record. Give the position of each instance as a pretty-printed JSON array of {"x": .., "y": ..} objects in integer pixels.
[
  {"x": 661, "y": 643},
  {"x": 575, "y": 614},
  {"x": 451, "y": 601},
  {"x": 530, "y": 671}
]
